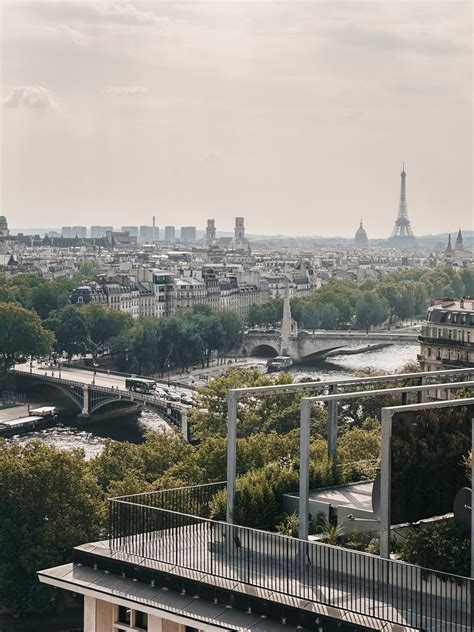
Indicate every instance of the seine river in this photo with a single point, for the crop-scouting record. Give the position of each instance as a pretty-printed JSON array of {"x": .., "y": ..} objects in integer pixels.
[{"x": 91, "y": 439}]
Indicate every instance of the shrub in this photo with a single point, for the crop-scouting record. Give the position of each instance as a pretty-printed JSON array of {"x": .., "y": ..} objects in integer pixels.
[{"x": 443, "y": 547}]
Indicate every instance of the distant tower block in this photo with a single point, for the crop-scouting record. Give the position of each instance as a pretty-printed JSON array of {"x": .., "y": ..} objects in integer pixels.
[
  {"x": 402, "y": 234},
  {"x": 361, "y": 239},
  {"x": 210, "y": 232}
]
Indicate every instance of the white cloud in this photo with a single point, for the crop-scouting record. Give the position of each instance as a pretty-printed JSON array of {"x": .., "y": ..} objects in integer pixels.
[
  {"x": 89, "y": 12},
  {"x": 127, "y": 13},
  {"x": 35, "y": 97},
  {"x": 126, "y": 91}
]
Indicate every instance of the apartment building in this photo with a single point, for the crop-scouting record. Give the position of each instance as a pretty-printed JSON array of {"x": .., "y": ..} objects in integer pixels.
[{"x": 447, "y": 335}]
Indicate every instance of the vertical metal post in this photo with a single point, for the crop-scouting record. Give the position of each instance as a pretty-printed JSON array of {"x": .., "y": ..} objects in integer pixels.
[
  {"x": 231, "y": 452},
  {"x": 385, "y": 484},
  {"x": 305, "y": 436},
  {"x": 332, "y": 421},
  {"x": 422, "y": 395},
  {"x": 472, "y": 511}
]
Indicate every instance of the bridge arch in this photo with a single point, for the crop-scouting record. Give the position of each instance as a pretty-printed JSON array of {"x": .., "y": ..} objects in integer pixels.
[
  {"x": 264, "y": 351},
  {"x": 112, "y": 400},
  {"x": 76, "y": 399}
]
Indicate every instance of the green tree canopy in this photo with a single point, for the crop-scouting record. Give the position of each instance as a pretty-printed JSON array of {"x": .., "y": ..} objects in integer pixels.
[
  {"x": 69, "y": 325},
  {"x": 104, "y": 324},
  {"x": 371, "y": 310},
  {"x": 21, "y": 334},
  {"x": 50, "y": 503}
]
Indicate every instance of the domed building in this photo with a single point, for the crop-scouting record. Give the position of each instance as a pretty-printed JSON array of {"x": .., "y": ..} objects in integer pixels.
[
  {"x": 4, "y": 232},
  {"x": 361, "y": 239}
]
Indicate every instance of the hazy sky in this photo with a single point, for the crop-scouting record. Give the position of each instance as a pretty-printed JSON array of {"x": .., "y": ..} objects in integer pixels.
[{"x": 296, "y": 115}]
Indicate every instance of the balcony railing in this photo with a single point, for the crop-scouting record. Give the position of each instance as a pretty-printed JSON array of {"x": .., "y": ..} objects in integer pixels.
[{"x": 173, "y": 527}]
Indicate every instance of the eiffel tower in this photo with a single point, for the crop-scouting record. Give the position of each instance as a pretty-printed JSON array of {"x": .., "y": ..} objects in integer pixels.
[{"x": 402, "y": 234}]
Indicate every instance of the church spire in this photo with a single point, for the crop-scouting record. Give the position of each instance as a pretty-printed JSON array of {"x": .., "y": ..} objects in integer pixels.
[
  {"x": 459, "y": 241},
  {"x": 449, "y": 247}
]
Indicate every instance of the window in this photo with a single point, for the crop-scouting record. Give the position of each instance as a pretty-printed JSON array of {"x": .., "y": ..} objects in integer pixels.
[
  {"x": 128, "y": 620},
  {"x": 141, "y": 620},
  {"x": 124, "y": 615}
]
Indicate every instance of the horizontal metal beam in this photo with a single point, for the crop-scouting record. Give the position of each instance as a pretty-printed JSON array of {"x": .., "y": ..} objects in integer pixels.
[
  {"x": 388, "y": 391},
  {"x": 302, "y": 386}
]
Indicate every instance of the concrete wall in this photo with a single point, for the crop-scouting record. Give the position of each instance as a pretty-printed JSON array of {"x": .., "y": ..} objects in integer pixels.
[{"x": 364, "y": 520}]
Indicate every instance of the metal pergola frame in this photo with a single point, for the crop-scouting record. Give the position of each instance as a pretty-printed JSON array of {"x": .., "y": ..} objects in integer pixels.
[
  {"x": 237, "y": 394},
  {"x": 388, "y": 414}
]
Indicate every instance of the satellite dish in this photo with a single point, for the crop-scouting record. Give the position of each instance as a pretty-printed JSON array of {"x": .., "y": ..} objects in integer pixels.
[
  {"x": 376, "y": 496},
  {"x": 462, "y": 507}
]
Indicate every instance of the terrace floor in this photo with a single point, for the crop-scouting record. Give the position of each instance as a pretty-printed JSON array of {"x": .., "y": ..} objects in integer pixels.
[{"x": 359, "y": 586}]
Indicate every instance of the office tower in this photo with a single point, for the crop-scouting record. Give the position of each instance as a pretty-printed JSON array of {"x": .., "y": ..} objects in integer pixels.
[
  {"x": 132, "y": 230},
  {"x": 188, "y": 234},
  {"x": 170, "y": 234},
  {"x": 97, "y": 232},
  {"x": 79, "y": 231}
]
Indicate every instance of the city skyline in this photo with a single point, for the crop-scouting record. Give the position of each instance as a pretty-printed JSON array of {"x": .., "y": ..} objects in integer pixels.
[{"x": 222, "y": 109}]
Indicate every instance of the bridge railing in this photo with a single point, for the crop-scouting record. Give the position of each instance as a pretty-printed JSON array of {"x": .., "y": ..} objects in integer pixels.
[{"x": 121, "y": 393}]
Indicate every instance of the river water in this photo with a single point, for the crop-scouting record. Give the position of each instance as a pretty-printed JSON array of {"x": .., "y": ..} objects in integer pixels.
[{"x": 69, "y": 435}]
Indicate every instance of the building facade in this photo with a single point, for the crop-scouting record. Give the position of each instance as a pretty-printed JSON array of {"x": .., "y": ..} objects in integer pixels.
[
  {"x": 170, "y": 234},
  {"x": 447, "y": 335},
  {"x": 188, "y": 234}
]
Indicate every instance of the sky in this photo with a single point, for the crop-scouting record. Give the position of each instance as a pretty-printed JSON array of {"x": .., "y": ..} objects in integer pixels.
[{"x": 296, "y": 115}]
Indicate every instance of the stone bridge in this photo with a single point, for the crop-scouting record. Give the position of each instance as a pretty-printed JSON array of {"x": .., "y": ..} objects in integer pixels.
[
  {"x": 90, "y": 399},
  {"x": 306, "y": 345}
]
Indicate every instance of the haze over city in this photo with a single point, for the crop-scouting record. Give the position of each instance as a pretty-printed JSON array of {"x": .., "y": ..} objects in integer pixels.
[{"x": 297, "y": 115}]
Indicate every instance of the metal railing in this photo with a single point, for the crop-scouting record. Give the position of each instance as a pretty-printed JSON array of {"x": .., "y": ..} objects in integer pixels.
[{"x": 155, "y": 527}]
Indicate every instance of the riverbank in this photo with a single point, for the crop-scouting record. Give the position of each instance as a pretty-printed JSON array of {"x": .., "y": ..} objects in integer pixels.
[{"x": 69, "y": 435}]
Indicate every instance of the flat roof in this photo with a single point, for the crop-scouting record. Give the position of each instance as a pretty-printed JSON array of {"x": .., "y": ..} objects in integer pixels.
[
  {"x": 158, "y": 601},
  {"x": 354, "y": 496}
]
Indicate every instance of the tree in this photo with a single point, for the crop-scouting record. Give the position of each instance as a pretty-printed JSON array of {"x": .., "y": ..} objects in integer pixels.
[
  {"x": 467, "y": 276},
  {"x": 256, "y": 414},
  {"x": 310, "y": 317},
  {"x": 51, "y": 503},
  {"x": 232, "y": 330},
  {"x": 69, "y": 325},
  {"x": 21, "y": 334},
  {"x": 371, "y": 310},
  {"x": 329, "y": 316},
  {"x": 444, "y": 547},
  {"x": 359, "y": 454},
  {"x": 89, "y": 269},
  {"x": 104, "y": 324}
]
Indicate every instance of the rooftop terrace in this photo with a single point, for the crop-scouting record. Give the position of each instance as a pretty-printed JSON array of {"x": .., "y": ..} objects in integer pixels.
[{"x": 173, "y": 528}]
